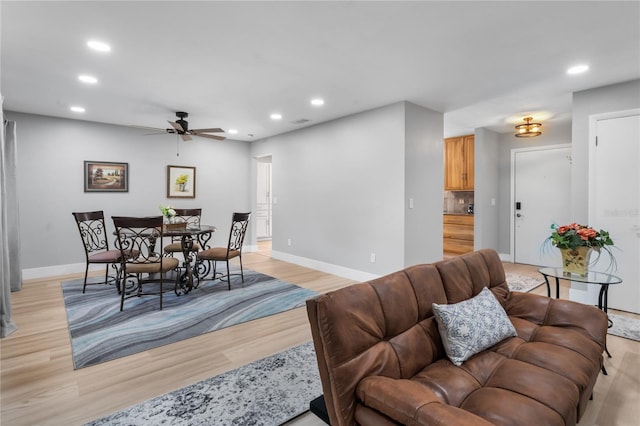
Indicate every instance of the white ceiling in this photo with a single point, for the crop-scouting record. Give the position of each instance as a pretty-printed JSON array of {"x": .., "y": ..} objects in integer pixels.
[{"x": 231, "y": 64}]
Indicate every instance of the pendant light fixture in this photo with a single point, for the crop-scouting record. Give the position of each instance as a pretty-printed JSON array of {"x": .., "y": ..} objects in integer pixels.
[{"x": 529, "y": 129}]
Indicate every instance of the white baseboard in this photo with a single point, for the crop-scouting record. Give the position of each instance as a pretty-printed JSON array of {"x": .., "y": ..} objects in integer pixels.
[
  {"x": 506, "y": 257},
  {"x": 352, "y": 274},
  {"x": 56, "y": 270}
]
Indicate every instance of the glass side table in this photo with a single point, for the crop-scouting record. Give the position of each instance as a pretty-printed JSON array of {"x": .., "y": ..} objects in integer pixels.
[{"x": 602, "y": 279}]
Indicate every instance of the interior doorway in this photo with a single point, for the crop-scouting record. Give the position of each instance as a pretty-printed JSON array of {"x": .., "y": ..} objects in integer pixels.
[
  {"x": 541, "y": 179},
  {"x": 264, "y": 210}
]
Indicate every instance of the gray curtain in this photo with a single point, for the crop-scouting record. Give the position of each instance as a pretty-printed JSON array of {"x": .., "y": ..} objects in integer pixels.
[{"x": 10, "y": 270}]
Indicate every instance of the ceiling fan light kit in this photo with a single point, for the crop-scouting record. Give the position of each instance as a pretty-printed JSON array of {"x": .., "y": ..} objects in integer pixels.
[
  {"x": 181, "y": 127},
  {"x": 528, "y": 129}
]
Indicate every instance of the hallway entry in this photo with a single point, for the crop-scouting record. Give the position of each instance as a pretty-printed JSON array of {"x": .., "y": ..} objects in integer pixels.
[{"x": 264, "y": 209}]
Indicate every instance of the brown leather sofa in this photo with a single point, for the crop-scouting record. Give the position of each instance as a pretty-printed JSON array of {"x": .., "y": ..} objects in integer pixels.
[{"x": 382, "y": 361}]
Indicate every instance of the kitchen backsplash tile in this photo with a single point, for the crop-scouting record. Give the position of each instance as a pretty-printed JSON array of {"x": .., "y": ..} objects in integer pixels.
[{"x": 457, "y": 202}]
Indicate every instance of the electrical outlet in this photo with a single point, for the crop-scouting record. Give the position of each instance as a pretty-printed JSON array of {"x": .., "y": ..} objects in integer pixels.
[
  {"x": 372, "y": 258},
  {"x": 289, "y": 241}
]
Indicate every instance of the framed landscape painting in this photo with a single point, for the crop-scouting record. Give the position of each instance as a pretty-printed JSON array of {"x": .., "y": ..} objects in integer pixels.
[
  {"x": 101, "y": 176},
  {"x": 181, "y": 182}
]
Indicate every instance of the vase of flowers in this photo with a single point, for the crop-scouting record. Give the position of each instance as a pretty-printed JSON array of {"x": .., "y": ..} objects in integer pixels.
[
  {"x": 168, "y": 212},
  {"x": 576, "y": 243}
]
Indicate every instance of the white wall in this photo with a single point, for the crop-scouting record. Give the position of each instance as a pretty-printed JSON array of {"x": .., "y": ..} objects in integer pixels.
[
  {"x": 487, "y": 183},
  {"x": 51, "y": 152},
  {"x": 424, "y": 183},
  {"x": 339, "y": 189}
]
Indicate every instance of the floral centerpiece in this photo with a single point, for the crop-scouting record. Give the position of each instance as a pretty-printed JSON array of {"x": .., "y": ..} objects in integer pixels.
[
  {"x": 171, "y": 222},
  {"x": 576, "y": 242},
  {"x": 168, "y": 212}
]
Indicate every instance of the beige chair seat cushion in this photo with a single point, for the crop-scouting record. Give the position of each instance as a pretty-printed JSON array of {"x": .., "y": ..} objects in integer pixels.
[
  {"x": 177, "y": 247},
  {"x": 218, "y": 253},
  {"x": 167, "y": 264},
  {"x": 109, "y": 256}
]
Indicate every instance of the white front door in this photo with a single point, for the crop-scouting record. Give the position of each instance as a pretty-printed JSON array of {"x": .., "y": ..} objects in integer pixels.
[
  {"x": 614, "y": 202},
  {"x": 541, "y": 179}
]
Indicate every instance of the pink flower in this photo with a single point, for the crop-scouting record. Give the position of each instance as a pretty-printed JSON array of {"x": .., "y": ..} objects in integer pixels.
[{"x": 587, "y": 233}]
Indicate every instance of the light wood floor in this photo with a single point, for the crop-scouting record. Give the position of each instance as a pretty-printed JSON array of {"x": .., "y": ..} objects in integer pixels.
[{"x": 40, "y": 387}]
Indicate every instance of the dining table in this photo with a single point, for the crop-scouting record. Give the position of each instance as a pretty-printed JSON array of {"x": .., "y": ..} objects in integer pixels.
[{"x": 188, "y": 236}]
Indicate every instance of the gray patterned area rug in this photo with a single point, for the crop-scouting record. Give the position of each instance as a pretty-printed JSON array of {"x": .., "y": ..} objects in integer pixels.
[
  {"x": 101, "y": 332},
  {"x": 628, "y": 328},
  {"x": 522, "y": 283},
  {"x": 266, "y": 392}
]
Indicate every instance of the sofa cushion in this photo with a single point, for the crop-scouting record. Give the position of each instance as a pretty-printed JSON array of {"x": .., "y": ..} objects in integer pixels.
[{"x": 471, "y": 326}]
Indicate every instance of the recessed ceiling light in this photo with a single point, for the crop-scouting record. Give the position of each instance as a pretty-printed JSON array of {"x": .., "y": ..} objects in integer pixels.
[
  {"x": 77, "y": 109},
  {"x": 99, "y": 46},
  {"x": 88, "y": 79},
  {"x": 276, "y": 116},
  {"x": 578, "y": 69},
  {"x": 233, "y": 131},
  {"x": 317, "y": 102}
]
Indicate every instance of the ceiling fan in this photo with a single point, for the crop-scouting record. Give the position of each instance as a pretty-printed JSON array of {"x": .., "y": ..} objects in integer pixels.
[{"x": 181, "y": 127}]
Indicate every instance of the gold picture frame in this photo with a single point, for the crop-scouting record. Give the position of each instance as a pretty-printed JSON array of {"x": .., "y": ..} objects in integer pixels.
[{"x": 181, "y": 182}]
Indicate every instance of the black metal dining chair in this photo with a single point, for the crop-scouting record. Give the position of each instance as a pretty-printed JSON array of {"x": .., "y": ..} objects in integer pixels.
[
  {"x": 142, "y": 236},
  {"x": 190, "y": 217},
  {"x": 96, "y": 246},
  {"x": 239, "y": 224}
]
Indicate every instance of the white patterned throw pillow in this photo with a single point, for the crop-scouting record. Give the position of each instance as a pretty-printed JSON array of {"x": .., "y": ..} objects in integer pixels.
[{"x": 472, "y": 325}]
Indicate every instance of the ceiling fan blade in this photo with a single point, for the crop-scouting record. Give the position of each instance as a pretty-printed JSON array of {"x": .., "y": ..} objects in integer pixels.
[
  {"x": 185, "y": 137},
  {"x": 146, "y": 127},
  {"x": 213, "y": 130},
  {"x": 220, "y": 138},
  {"x": 176, "y": 126}
]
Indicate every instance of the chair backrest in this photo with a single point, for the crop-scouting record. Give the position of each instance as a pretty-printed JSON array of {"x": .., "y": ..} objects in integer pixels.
[
  {"x": 239, "y": 223},
  {"x": 92, "y": 231},
  {"x": 190, "y": 216},
  {"x": 138, "y": 238}
]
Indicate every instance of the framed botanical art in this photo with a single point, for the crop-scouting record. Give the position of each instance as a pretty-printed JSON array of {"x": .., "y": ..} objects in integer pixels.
[
  {"x": 181, "y": 182},
  {"x": 101, "y": 176}
]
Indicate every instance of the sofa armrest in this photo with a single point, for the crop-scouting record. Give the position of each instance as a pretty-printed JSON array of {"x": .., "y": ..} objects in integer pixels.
[
  {"x": 545, "y": 311},
  {"x": 411, "y": 403}
]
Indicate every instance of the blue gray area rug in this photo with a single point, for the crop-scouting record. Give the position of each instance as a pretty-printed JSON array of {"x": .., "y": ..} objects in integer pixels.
[
  {"x": 269, "y": 392},
  {"x": 100, "y": 332}
]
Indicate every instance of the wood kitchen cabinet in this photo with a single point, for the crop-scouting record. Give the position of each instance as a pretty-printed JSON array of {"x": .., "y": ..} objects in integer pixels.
[
  {"x": 457, "y": 233},
  {"x": 459, "y": 163}
]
